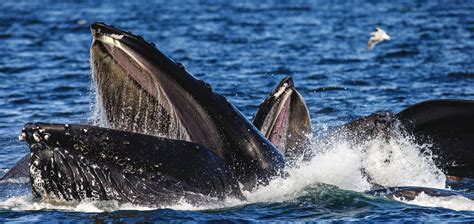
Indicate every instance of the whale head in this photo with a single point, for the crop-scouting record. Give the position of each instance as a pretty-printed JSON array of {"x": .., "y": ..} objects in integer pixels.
[{"x": 78, "y": 162}]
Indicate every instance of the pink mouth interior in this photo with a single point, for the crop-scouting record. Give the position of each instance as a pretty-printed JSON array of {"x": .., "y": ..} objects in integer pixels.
[{"x": 277, "y": 136}]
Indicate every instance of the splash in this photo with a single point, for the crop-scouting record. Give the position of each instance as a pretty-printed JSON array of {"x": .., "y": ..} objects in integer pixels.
[
  {"x": 457, "y": 203},
  {"x": 399, "y": 162},
  {"x": 98, "y": 116},
  {"x": 28, "y": 203},
  {"x": 396, "y": 161}
]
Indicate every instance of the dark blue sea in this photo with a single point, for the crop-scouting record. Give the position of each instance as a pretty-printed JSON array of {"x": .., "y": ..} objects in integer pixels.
[{"x": 243, "y": 49}]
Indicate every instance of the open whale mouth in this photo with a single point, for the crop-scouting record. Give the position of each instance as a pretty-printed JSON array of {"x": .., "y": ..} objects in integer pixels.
[
  {"x": 277, "y": 109},
  {"x": 284, "y": 119},
  {"x": 141, "y": 90},
  {"x": 167, "y": 133}
]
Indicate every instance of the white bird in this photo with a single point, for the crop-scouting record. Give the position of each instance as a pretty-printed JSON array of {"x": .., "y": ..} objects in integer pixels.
[{"x": 376, "y": 37}]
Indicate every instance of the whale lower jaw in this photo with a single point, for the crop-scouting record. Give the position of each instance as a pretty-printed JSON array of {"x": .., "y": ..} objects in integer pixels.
[{"x": 78, "y": 162}]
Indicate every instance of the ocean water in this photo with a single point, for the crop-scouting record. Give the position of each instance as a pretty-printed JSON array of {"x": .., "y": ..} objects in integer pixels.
[{"x": 243, "y": 49}]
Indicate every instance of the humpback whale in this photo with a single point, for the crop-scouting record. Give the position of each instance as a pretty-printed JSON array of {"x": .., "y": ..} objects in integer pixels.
[
  {"x": 445, "y": 126},
  {"x": 168, "y": 135},
  {"x": 142, "y": 90}
]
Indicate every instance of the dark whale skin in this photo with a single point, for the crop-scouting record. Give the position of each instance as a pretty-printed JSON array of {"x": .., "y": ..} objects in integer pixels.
[{"x": 81, "y": 162}]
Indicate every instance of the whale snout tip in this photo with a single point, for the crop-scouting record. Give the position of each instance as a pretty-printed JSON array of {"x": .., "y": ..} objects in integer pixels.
[
  {"x": 34, "y": 133},
  {"x": 288, "y": 80},
  {"x": 98, "y": 27}
]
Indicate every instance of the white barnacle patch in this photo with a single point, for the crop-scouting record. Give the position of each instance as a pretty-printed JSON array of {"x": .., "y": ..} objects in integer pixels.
[
  {"x": 22, "y": 136},
  {"x": 46, "y": 136},
  {"x": 37, "y": 181},
  {"x": 84, "y": 130},
  {"x": 36, "y": 137},
  {"x": 66, "y": 125}
]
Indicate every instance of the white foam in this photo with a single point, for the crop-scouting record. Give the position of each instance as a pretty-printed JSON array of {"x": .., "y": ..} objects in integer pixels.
[
  {"x": 19, "y": 180},
  {"x": 389, "y": 162},
  {"x": 457, "y": 202},
  {"x": 398, "y": 162},
  {"x": 27, "y": 203}
]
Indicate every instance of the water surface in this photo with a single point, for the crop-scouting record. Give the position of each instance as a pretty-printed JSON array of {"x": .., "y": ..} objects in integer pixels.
[{"x": 243, "y": 50}]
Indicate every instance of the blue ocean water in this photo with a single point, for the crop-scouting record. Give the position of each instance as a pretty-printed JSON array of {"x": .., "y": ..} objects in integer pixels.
[{"x": 243, "y": 49}]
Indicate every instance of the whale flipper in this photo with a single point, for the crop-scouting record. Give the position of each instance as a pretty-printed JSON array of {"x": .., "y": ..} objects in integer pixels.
[
  {"x": 284, "y": 119},
  {"x": 80, "y": 162},
  {"x": 449, "y": 126},
  {"x": 19, "y": 170}
]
